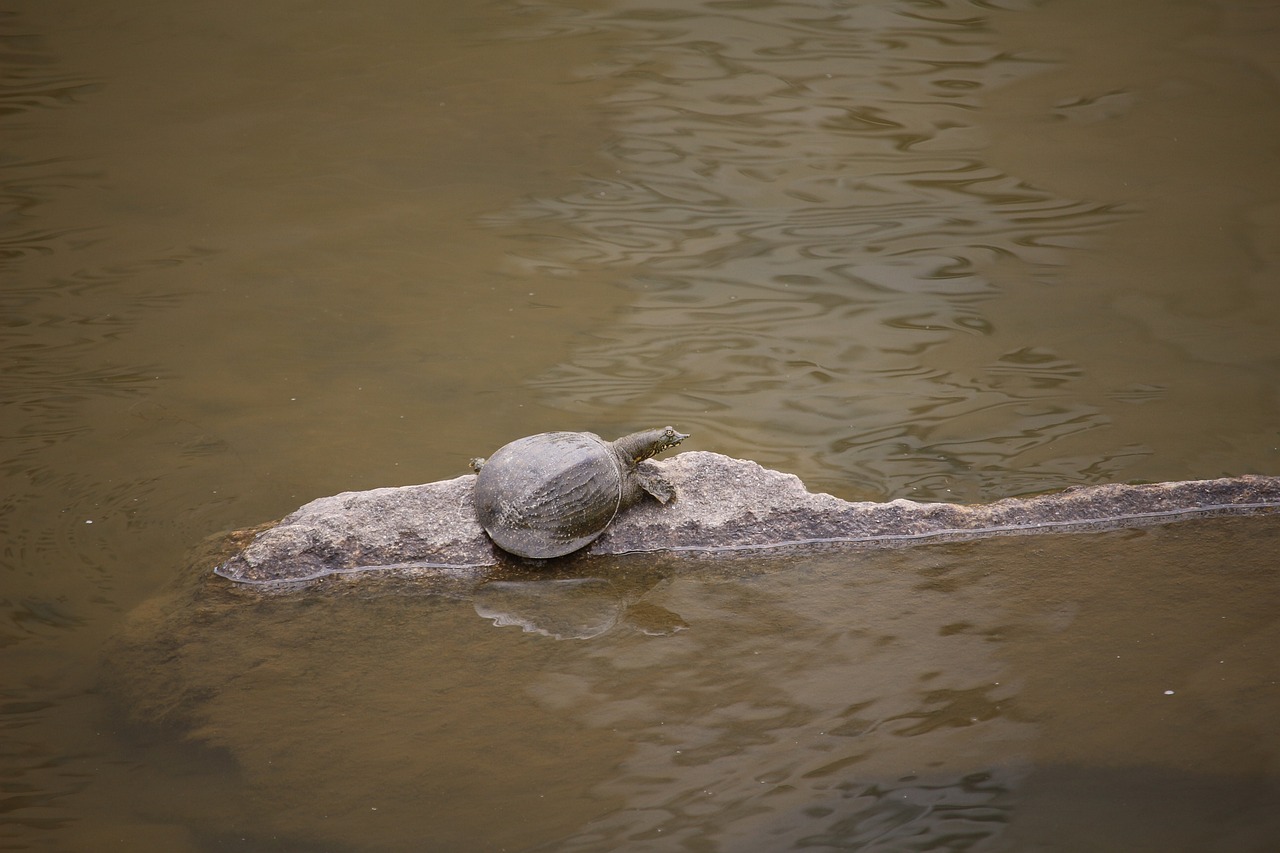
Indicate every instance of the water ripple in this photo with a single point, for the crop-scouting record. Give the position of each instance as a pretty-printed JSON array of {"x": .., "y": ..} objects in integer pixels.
[
  {"x": 801, "y": 207},
  {"x": 68, "y": 305},
  {"x": 29, "y": 77}
]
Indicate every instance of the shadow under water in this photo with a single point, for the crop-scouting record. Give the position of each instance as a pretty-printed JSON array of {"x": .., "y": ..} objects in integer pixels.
[{"x": 1001, "y": 694}]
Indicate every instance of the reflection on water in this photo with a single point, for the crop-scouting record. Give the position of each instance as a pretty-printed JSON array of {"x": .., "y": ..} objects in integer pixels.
[
  {"x": 577, "y": 609},
  {"x": 938, "y": 698},
  {"x": 806, "y": 207},
  {"x": 824, "y": 251},
  {"x": 571, "y": 608}
]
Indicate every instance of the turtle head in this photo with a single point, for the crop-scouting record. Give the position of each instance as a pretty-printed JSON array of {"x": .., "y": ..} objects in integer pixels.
[
  {"x": 650, "y": 442},
  {"x": 669, "y": 438}
]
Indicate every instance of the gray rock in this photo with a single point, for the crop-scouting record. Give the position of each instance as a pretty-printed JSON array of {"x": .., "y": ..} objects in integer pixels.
[{"x": 724, "y": 505}]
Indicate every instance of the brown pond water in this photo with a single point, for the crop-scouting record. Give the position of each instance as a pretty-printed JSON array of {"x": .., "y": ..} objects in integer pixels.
[{"x": 255, "y": 253}]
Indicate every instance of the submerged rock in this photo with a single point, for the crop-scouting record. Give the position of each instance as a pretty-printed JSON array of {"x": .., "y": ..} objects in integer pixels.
[{"x": 724, "y": 505}]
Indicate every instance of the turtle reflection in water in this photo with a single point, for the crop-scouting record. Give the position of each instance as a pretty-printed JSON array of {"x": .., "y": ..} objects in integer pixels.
[
  {"x": 550, "y": 494},
  {"x": 573, "y": 608}
]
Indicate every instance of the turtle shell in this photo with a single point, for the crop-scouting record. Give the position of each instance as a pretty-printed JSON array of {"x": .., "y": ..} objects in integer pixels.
[{"x": 549, "y": 494}]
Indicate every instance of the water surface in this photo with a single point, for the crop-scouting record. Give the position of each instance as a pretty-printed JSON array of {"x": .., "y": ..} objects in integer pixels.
[
  {"x": 1077, "y": 692},
  {"x": 257, "y": 253}
]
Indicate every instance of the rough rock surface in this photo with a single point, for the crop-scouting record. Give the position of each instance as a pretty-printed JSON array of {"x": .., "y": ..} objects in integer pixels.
[{"x": 724, "y": 504}]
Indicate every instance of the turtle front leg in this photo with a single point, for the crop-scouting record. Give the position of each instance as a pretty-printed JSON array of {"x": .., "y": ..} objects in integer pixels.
[{"x": 657, "y": 485}]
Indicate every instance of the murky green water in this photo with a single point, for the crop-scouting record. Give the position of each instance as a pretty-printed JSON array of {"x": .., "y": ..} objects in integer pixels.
[{"x": 257, "y": 253}]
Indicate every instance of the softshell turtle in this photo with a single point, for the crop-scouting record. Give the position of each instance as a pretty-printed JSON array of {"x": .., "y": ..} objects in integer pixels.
[{"x": 552, "y": 493}]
